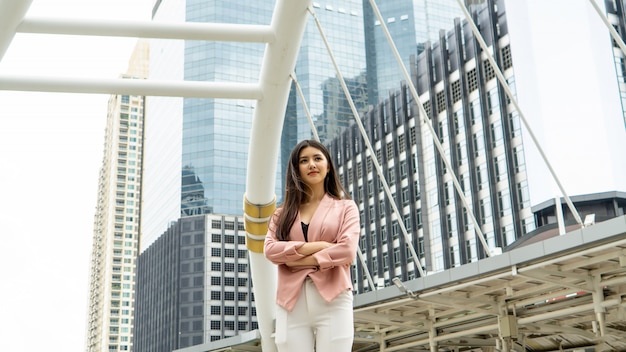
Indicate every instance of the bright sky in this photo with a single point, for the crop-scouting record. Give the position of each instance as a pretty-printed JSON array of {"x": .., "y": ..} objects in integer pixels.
[{"x": 51, "y": 152}]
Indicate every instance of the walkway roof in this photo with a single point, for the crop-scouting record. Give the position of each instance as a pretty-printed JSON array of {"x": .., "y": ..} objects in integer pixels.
[{"x": 563, "y": 293}]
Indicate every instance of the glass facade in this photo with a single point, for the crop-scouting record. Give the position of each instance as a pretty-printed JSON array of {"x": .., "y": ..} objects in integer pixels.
[
  {"x": 342, "y": 23},
  {"x": 482, "y": 144},
  {"x": 216, "y": 132},
  {"x": 411, "y": 23},
  {"x": 163, "y": 154}
]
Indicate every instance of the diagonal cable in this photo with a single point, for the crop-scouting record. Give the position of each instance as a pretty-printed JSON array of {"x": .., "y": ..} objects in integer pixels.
[
  {"x": 478, "y": 36},
  {"x": 427, "y": 122},
  {"x": 355, "y": 114},
  {"x": 317, "y": 138}
]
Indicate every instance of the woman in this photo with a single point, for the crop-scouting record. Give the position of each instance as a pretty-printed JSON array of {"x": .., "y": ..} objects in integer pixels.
[{"x": 313, "y": 238}]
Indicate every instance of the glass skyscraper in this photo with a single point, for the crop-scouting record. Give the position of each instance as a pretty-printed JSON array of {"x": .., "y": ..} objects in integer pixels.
[
  {"x": 206, "y": 164},
  {"x": 480, "y": 133},
  {"x": 411, "y": 23},
  {"x": 196, "y": 160}
]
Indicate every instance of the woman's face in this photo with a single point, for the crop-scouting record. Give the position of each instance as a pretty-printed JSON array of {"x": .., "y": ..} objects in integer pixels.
[{"x": 312, "y": 165}]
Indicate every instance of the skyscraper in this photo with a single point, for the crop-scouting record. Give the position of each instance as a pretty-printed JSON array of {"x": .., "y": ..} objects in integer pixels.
[
  {"x": 484, "y": 139},
  {"x": 196, "y": 158},
  {"x": 411, "y": 23},
  {"x": 481, "y": 138},
  {"x": 193, "y": 285},
  {"x": 116, "y": 222}
]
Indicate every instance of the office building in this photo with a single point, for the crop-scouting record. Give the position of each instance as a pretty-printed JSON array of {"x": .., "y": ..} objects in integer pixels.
[
  {"x": 197, "y": 154},
  {"x": 193, "y": 285},
  {"x": 342, "y": 24},
  {"x": 481, "y": 136},
  {"x": 116, "y": 222},
  {"x": 484, "y": 140},
  {"x": 196, "y": 160},
  {"x": 411, "y": 23}
]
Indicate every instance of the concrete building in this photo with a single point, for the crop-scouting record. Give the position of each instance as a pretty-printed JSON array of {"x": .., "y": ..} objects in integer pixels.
[
  {"x": 193, "y": 285},
  {"x": 116, "y": 221},
  {"x": 411, "y": 23},
  {"x": 481, "y": 137}
]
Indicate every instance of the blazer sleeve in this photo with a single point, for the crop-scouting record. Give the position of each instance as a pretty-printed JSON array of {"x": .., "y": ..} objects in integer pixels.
[
  {"x": 280, "y": 252},
  {"x": 344, "y": 251}
]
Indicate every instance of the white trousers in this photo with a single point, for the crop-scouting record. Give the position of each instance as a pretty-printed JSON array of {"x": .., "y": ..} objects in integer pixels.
[{"x": 314, "y": 324}]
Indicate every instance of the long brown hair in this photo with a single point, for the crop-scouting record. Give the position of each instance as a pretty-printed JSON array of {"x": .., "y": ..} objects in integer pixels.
[{"x": 298, "y": 192}]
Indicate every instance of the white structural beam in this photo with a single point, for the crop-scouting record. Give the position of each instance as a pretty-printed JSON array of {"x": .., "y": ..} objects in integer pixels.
[
  {"x": 11, "y": 14},
  {"x": 187, "y": 89},
  {"x": 288, "y": 23},
  {"x": 148, "y": 29}
]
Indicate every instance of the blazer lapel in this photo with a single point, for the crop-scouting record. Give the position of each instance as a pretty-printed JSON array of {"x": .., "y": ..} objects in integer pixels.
[{"x": 316, "y": 227}]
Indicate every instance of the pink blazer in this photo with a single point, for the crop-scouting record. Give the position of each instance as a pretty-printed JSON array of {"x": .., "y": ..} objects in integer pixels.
[{"x": 335, "y": 221}]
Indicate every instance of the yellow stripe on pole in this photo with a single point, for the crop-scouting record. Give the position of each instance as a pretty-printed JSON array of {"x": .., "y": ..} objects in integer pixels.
[{"x": 256, "y": 223}]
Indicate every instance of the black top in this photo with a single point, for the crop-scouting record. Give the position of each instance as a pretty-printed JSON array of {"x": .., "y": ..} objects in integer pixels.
[{"x": 305, "y": 230}]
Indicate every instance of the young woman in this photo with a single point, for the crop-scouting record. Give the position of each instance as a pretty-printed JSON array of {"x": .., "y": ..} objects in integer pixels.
[{"x": 313, "y": 237}]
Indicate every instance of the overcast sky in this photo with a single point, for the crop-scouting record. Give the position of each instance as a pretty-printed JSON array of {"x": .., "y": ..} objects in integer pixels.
[{"x": 50, "y": 155}]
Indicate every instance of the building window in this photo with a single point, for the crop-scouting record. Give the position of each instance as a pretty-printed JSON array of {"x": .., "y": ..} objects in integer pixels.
[
  {"x": 441, "y": 101},
  {"x": 507, "y": 60},
  {"x": 489, "y": 71},
  {"x": 242, "y": 268},
  {"x": 405, "y": 196},
  {"x": 403, "y": 169},
  {"x": 472, "y": 80},
  {"x": 216, "y": 252},
  {"x": 401, "y": 142},
  {"x": 493, "y": 101},
  {"x": 475, "y": 111},
  {"x": 229, "y": 296},
  {"x": 427, "y": 109},
  {"x": 455, "y": 88}
]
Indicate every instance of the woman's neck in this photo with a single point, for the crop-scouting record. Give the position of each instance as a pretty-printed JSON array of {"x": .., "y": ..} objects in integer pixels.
[{"x": 317, "y": 195}]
